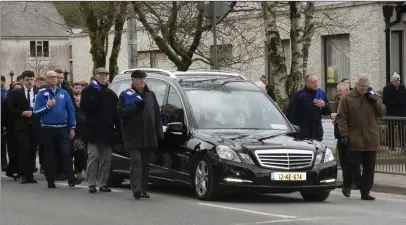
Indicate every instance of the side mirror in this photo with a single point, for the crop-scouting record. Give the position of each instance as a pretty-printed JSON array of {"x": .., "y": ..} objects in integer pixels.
[
  {"x": 297, "y": 128},
  {"x": 175, "y": 127}
]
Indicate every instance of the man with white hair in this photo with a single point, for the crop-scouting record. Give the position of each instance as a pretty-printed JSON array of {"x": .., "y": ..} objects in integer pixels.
[
  {"x": 356, "y": 119},
  {"x": 394, "y": 98}
]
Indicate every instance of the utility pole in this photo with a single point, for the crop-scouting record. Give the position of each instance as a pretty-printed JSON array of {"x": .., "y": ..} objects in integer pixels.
[
  {"x": 214, "y": 31},
  {"x": 132, "y": 43}
]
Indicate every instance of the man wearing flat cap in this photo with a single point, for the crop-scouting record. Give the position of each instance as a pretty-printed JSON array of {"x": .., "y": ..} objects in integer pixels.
[
  {"x": 101, "y": 128},
  {"x": 394, "y": 98},
  {"x": 141, "y": 124}
]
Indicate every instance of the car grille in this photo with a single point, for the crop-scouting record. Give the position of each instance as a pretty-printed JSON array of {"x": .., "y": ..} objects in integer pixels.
[{"x": 285, "y": 159}]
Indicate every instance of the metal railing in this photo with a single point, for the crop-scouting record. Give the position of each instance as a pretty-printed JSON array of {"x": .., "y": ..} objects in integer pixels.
[{"x": 391, "y": 155}]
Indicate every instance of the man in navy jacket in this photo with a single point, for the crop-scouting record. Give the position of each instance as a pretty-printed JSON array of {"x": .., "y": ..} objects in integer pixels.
[{"x": 54, "y": 106}]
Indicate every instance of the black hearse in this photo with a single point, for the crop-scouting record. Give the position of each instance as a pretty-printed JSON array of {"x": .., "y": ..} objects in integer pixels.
[{"x": 224, "y": 134}]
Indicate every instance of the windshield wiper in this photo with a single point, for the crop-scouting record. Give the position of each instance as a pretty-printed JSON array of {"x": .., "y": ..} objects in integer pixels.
[{"x": 262, "y": 138}]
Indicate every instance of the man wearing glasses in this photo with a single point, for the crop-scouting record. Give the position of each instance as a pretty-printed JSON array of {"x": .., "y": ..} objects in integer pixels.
[
  {"x": 54, "y": 106},
  {"x": 356, "y": 119}
]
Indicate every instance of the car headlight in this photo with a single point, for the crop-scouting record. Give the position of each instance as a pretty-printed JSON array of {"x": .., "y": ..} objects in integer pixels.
[
  {"x": 247, "y": 158},
  {"x": 227, "y": 153},
  {"x": 324, "y": 156}
]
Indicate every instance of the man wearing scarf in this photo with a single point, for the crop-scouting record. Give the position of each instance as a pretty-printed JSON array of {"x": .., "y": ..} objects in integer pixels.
[
  {"x": 306, "y": 108},
  {"x": 356, "y": 119},
  {"x": 142, "y": 129},
  {"x": 98, "y": 103}
]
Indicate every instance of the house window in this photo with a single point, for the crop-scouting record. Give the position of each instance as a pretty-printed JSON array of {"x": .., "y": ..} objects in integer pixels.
[
  {"x": 336, "y": 62},
  {"x": 224, "y": 54},
  {"x": 153, "y": 59},
  {"x": 396, "y": 52},
  {"x": 70, "y": 52},
  {"x": 39, "y": 48}
]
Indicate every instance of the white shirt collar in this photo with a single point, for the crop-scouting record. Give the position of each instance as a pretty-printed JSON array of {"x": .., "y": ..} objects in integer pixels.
[{"x": 25, "y": 89}]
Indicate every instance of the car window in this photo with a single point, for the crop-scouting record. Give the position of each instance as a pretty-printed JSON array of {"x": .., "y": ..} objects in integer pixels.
[
  {"x": 160, "y": 89},
  {"x": 120, "y": 86},
  {"x": 174, "y": 109},
  {"x": 216, "y": 109}
]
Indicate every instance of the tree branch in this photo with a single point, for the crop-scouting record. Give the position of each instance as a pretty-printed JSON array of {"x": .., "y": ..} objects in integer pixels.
[{"x": 209, "y": 26}]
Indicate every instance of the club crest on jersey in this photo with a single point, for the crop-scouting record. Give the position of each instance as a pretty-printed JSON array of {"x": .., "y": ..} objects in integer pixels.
[{"x": 62, "y": 96}]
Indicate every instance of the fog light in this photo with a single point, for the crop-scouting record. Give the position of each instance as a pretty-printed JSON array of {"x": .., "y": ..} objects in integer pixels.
[
  {"x": 235, "y": 180},
  {"x": 328, "y": 181}
]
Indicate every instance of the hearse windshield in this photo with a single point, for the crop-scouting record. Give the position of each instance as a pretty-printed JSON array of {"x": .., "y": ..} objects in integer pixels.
[{"x": 235, "y": 109}]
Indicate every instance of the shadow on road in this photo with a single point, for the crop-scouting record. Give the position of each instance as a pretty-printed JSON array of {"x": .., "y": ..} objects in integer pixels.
[{"x": 185, "y": 192}]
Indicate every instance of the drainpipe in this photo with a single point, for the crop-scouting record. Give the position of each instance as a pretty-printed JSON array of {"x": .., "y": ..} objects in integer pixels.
[{"x": 387, "y": 14}]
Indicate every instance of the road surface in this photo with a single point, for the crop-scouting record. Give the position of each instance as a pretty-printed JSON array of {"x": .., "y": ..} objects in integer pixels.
[{"x": 34, "y": 204}]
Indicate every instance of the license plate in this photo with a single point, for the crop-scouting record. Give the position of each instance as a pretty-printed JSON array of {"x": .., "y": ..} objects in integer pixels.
[{"x": 288, "y": 176}]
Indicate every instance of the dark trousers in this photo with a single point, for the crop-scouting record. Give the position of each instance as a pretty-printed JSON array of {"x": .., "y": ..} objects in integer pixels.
[
  {"x": 27, "y": 151},
  {"x": 139, "y": 169},
  {"x": 57, "y": 142},
  {"x": 368, "y": 160},
  {"x": 41, "y": 154},
  {"x": 12, "y": 151},
  {"x": 398, "y": 128},
  {"x": 79, "y": 157},
  {"x": 343, "y": 159},
  {"x": 3, "y": 151}
]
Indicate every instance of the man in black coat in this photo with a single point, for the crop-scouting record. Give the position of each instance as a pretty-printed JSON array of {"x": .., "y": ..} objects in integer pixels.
[
  {"x": 142, "y": 129},
  {"x": 306, "y": 109},
  {"x": 26, "y": 125},
  {"x": 98, "y": 103},
  {"x": 394, "y": 98}
]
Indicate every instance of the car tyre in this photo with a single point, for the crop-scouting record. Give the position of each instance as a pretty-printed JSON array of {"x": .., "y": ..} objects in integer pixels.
[
  {"x": 319, "y": 196},
  {"x": 204, "y": 180},
  {"x": 115, "y": 180}
]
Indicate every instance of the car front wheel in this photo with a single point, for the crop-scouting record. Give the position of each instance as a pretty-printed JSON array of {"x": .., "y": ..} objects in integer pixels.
[
  {"x": 205, "y": 183},
  {"x": 319, "y": 196}
]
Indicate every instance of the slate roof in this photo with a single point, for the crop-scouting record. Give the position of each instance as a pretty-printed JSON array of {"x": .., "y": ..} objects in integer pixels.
[{"x": 31, "y": 19}]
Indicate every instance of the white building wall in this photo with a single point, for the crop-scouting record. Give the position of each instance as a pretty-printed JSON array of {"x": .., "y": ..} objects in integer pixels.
[{"x": 15, "y": 56}]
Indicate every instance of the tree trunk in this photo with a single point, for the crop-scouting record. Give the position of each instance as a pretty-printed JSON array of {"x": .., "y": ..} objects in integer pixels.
[
  {"x": 118, "y": 32},
  {"x": 308, "y": 34},
  {"x": 295, "y": 80},
  {"x": 276, "y": 53}
]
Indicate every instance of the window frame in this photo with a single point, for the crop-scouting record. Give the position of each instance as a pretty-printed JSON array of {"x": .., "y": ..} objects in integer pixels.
[
  {"x": 325, "y": 38},
  {"x": 36, "y": 45}
]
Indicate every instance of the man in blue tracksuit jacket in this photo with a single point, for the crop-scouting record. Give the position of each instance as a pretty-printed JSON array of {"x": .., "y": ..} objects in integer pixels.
[{"x": 54, "y": 106}]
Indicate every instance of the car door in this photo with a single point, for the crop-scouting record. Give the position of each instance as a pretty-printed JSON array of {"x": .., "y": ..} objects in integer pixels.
[
  {"x": 160, "y": 88},
  {"x": 174, "y": 142}
]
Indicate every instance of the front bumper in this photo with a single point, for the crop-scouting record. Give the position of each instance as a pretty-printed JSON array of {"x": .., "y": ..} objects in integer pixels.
[{"x": 234, "y": 176}]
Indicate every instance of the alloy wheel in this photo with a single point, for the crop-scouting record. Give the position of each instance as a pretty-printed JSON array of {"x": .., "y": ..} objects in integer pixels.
[{"x": 202, "y": 178}]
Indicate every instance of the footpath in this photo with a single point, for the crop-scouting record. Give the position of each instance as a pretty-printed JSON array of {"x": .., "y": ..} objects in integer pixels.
[{"x": 386, "y": 183}]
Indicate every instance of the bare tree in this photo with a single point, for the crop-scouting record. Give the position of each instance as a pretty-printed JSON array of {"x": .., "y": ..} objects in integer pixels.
[
  {"x": 99, "y": 18},
  {"x": 177, "y": 28},
  {"x": 39, "y": 65}
]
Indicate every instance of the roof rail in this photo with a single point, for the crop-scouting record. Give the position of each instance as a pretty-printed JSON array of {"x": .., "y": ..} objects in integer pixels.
[
  {"x": 214, "y": 72},
  {"x": 155, "y": 70}
]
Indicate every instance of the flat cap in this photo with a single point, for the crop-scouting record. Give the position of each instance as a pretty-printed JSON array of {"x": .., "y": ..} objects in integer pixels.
[
  {"x": 138, "y": 73},
  {"x": 102, "y": 70}
]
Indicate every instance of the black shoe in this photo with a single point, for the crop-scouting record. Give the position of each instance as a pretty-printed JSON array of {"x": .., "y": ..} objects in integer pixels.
[
  {"x": 346, "y": 191},
  {"x": 104, "y": 189},
  {"x": 144, "y": 195},
  {"x": 367, "y": 197},
  {"x": 92, "y": 189},
  {"x": 30, "y": 180},
  {"x": 74, "y": 182},
  {"x": 51, "y": 185},
  {"x": 137, "y": 195}
]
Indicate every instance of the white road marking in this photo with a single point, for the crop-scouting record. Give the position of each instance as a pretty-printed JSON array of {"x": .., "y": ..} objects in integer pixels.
[
  {"x": 316, "y": 218},
  {"x": 247, "y": 211}
]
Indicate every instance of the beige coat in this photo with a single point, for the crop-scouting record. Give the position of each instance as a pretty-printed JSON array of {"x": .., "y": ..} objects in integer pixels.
[{"x": 356, "y": 119}]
